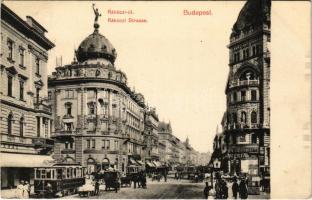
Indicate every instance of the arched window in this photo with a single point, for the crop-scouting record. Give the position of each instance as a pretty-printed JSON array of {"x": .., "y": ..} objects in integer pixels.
[
  {"x": 248, "y": 75},
  {"x": 243, "y": 117},
  {"x": 22, "y": 126},
  {"x": 10, "y": 121},
  {"x": 253, "y": 117}
]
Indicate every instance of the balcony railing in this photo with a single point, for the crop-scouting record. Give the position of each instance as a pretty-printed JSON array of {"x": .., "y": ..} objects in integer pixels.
[
  {"x": 244, "y": 148},
  {"x": 41, "y": 104},
  {"x": 244, "y": 83},
  {"x": 63, "y": 133},
  {"x": 242, "y": 126}
]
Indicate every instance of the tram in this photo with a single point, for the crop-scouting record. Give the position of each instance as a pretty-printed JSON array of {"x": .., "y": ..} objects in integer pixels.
[{"x": 58, "y": 179}]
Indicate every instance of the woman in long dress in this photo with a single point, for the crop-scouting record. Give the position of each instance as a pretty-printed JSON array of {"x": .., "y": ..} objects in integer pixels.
[{"x": 20, "y": 190}]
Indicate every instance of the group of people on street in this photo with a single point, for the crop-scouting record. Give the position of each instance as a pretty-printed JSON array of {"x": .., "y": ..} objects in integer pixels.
[
  {"x": 23, "y": 190},
  {"x": 139, "y": 179},
  {"x": 221, "y": 189}
]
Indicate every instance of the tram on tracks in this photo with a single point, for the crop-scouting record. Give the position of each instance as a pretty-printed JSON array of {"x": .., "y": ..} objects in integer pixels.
[{"x": 58, "y": 179}]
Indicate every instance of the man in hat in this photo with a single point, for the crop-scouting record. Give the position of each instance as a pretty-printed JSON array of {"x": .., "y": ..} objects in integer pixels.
[{"x": 235, "y": 187}]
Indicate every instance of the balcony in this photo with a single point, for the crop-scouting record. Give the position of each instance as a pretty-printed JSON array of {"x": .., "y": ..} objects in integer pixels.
[
  {"x": 43, "y": 143},
  {"x": 40, "y": 104},
  {"x": 16, "y": 140},
  {"x": 63, "y": 133},
  {"x": 242, "y": 126},
  {"x": 68, "y": 151},
  {"x": 244, "y": 83},
  {"x": 244, "y": 148}
]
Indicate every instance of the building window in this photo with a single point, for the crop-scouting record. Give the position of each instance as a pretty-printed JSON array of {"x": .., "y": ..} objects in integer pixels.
[
  {"x": 38, "y": 126},
  {"x": 69, "y": 126},
  {"x": 21, "y": 90},
  {"x": 243, "y": 117},
  {"x": 106, "y": 144},
  {"x": 10, "y": 121},
  {"x": 22, "y": 56},
  {"x": 253, "y": 117},
  {"x": 10, "y": 50},
  {"x": 116, "y": 145},
  {"x": 37, "y": 63},
  {"x": 246, "y": 53},
  {"x": 22, "y": 126},
  {"x": 68, "y": 108},
  {"x": 49, "y": 95},
  {"x": 254, "y": 139},
  {"x": 242, "y": 138},
  {"x": 91, "y": 106},
  {"x": 235, "y": 97},
  {"x": 37, "y": 95},
  {"x": 93, "y": 144},
  {"x": 69, "y": 145},
  {"x": 234, "y": 118},
  {"x": 254, "y": 95},
  {"x": 88, "y": 144},
  {"x": 10, "y": 85},
  {"x": 243, "y": 95}
]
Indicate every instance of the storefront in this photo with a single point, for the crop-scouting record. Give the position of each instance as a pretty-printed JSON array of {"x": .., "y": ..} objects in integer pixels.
[{"x": 19, "y": 167}]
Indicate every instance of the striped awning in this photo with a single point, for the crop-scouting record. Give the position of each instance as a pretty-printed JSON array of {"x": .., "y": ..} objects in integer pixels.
[{"x": 148, "y": 163}]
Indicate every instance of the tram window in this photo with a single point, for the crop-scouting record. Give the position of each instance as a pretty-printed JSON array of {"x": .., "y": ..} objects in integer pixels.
[
  {"x": 48, "y": 174},
  {"x": 59, "y": 173},
  {"x": 38, "y": 173},
  {"x": 43, "y": 173}
]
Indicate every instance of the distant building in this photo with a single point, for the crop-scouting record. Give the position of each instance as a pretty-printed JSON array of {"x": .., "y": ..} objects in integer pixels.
[
  {"x": 25, "y": 121},
  {"x": 151, "y": 135},
  {"x": 99, "y": 120}
]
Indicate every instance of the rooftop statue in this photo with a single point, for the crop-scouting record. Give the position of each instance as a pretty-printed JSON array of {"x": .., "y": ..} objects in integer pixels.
[{"x": 96, "y": 13}]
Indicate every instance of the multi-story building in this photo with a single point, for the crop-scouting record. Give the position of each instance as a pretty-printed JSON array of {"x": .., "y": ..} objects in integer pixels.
[
  {"x": 162, "y": 152},
  {"x": 25, "y": 121},
  {"x": 99, "y": 120},
  {"x": 151, "y": 135},
  {"x": 246, "y": 123}
]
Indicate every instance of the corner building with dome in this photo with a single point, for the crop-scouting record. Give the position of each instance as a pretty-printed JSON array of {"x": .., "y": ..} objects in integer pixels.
[
  {"x": 98, "y": 119},
  {"x": 246, "y": 122}
]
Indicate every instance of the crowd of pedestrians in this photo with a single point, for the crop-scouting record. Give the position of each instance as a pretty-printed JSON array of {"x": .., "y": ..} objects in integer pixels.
[
  {"x": 23, "y": 190},
  {"x": 221, "y": 190}
]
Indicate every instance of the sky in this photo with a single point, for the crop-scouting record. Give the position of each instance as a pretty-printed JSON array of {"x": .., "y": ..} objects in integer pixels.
[{"x": 178, "y": 62}]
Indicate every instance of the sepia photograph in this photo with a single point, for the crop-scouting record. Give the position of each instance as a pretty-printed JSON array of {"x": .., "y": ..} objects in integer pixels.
[{"x": 153, "y": 100}]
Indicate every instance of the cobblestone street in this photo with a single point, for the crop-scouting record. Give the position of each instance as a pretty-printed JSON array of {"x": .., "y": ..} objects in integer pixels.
[{"x": 172, "y": 189}]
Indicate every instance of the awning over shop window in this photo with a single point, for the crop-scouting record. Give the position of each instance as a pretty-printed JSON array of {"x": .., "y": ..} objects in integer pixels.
[
  {"x": 148, "y": 163},
  {"x": 24, "y": 160},
  {"x": 140, "y": 162},
  {"x": 132, "y": 161},
  {"x": 157, "y": 164}
]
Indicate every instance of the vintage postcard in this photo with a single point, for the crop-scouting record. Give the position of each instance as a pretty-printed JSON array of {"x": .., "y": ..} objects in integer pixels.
[{"x": 155, "y": 99}]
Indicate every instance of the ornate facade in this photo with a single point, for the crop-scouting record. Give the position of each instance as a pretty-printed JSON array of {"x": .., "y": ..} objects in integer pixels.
[
  {"x": 246, "y": 123},
  {"x": 25, "y": 121},
  {"x": 99, "y": 120},
  {"x": 151, "y": 135}
]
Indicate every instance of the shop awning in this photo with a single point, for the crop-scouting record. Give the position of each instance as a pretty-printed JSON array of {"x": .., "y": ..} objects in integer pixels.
[
  {"x": 132, "y": 161},
  {"x": 24, "y": 160},
  {"x": 140, "y": 162},
  {"x": 148, "y": 163},
  {"x": 157, "y": 164}
]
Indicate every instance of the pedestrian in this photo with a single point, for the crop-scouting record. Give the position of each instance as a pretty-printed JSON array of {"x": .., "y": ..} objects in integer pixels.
[
  {"x": 26, "y": 188},
  {"x": 96, "y": 187},
  {"x": 144, "y": 181},
  {"x": 134, "y": 179},
  {"x": 224, "y": 189},
  {"x": 20, "y": 190},
  {"x": 235, "y": 188},
  {"x": 206, "y": 190},
  {"x": 165, "y": 175},
  {"x": 243, "y": 192}
]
